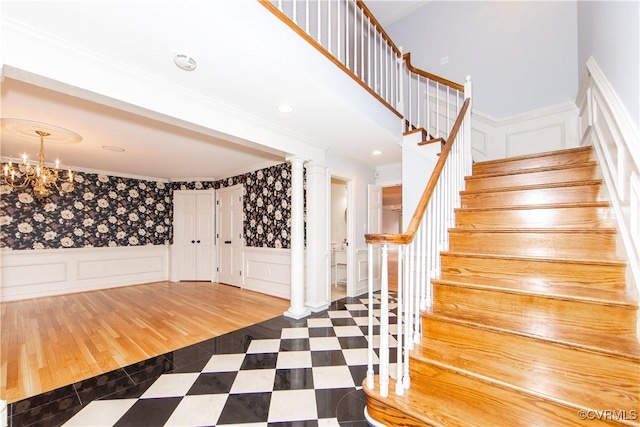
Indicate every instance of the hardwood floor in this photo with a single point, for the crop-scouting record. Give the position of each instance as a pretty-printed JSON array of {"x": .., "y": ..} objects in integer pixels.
[{"x": 51, "y": 342}]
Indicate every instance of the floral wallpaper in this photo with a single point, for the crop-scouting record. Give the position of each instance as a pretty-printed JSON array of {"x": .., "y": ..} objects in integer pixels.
[
  {"x": 102, "y": 211},
  {"x": 113, "y": 211},
  {"x": 267, "y": 204}
]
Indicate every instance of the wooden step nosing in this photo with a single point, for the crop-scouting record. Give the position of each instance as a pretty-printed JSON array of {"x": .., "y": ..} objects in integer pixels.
[
  {"x": 571, "y": 205},
  {"x": 528, "y": 231},
  {"x": 623, "y": 304},
  {"x": 564, "y": 184},
  {"x": 581, "y": 261},
  {"x": 553, "y": 168},
  {"x": 535, "y": 155},
  {"x": 549, "y": 340}
]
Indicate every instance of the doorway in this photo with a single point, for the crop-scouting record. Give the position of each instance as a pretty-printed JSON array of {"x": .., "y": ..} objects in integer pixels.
[
  {"x": 230, "y": 234},
  {"x": 339, "y": 272},
  {"x": 392, "y": 224}
]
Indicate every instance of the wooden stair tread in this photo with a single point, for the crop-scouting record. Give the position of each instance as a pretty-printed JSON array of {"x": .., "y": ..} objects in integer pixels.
[
  {"x": 591, "y": 230},
  {"x": 616, "y": 346},
  {"x": 590, "y": 182},
  {"x": 601, "y": 261},
  {"x": 535, "y": 155},
  {"x": 595, "y": 296},
  {"x": 589, "y": 163},
  {"x": 596, "y": 204}
]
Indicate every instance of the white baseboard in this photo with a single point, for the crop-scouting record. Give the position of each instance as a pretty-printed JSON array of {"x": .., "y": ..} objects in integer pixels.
[
  {"x": 546, "y": 129},
  {"x": 268, "y": 271},
  {"x": 47, "y": 272}
]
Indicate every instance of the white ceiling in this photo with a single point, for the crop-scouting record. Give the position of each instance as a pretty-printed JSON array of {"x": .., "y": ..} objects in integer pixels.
[{"x": 143, "y": 35}]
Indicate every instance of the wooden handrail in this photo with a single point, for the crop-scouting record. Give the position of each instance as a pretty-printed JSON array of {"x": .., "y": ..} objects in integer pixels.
[
  {"x": 381, "y": 30},
  {"x": 407, "y": 237},
  {"x": 453, "y": 85},
  {"x": 285, "y": 19}
]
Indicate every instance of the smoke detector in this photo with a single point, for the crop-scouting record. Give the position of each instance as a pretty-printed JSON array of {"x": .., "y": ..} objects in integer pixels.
[{"x": 184, "y": 62}]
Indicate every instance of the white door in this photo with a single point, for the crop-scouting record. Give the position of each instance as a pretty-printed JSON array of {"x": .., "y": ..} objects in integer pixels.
[
  {"x": 230, "y": 233},
  {"x": 374, "y": 226},
  {"x": 193, "y": 234}
]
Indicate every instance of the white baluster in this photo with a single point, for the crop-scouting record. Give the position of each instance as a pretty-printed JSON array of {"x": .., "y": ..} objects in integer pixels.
[
  {"x": 370, "y": 384},
  {"x": 384, "y": 325},
  {"x": 400, "y": 311}
]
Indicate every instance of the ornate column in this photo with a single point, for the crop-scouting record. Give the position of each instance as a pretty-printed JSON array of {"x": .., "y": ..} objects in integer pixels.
[
  {"x": 318, "y": 250},
  {"x": 297, "y": 310}
]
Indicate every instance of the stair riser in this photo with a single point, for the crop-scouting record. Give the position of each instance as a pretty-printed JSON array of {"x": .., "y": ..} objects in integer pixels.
[
  {"x": 583, "y": 217},
  {"x": 583, "y": 245},
  {"x": 568, "y": 158},
  {"x": 481, "y": 398},
  {"x": 590, "y": 379},
  {"x": 532, "y": 178},
  {"x": 609, "y": 277},
  {"x": 584, "y": 315},
  {"x": 533, "y": 197}
]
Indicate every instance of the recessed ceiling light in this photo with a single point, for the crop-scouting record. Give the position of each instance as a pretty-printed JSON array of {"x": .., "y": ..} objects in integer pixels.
[
  {"x": 184, "y": 62},
  {"x": 285, "y": 108},
  {"x": 377, "y": 152},
  {"x": 113, "y": 148}
]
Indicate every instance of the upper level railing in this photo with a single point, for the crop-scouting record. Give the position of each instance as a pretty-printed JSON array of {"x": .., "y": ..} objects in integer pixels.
[{"x": 348, "y": 34}]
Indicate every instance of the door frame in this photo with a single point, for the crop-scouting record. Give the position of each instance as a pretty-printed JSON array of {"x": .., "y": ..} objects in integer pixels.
[
  {"x": 351, "y": 238},
  {"x": 218, "y": 253},
  {"x": 174, "y": 253}
]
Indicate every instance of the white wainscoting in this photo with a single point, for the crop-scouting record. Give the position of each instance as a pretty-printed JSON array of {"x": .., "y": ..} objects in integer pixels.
[
  {"x": 547, "y": 129},
  {"x": 47, "y": 272},
  {"x": 362, "y": 272},
  {"x": 268, "y": 271}
]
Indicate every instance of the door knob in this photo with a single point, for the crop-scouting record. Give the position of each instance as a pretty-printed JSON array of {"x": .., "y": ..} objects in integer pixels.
[
  {"x": 198, "y": 241},
  {"x": 228, "y": 242},
  {"x": 193, "y": 241}
]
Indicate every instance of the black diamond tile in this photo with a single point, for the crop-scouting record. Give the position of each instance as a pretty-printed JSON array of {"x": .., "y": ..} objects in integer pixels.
[
  {"x": 148, "y": 369},
  {"x": 260, "y": 361},
  {"x": 353, "y": 342},
  {"x": 293, "y": 379},
  {"x": 103, "y": 385},
  {"x": 327, "y": 401},
  {"x": 245, "y": 408},
  {"x": 351, "y": 408},
  {"x": 343, "y": 321},
  {"x": 305, "y": 423},
  {"x": 327, "y": 358},
  {"x": 359, "y": 373},
  {"x": 149, "y": 412},
  {"x": 132, "y": 392},
  {"x": 359, "y": 313},
  {"x": 321, "y": 332},
  {"x": 296, "y": 344},
  {"x": 213, "y": 383},
  {"x": 188, "y": 355}
]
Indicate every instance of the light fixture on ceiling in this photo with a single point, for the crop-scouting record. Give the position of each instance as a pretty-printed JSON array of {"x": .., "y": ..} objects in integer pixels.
[
  {"x": 376, "y": 152},
  {"x": 284, "y": 108},
  {"x": 38, "y": 175},
  {"x": 185, "y": 62},
  {"x": 113, "y": 148}
]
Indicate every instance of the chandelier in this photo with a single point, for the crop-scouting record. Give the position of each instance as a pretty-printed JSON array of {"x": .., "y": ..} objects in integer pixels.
[{"x": 42, "y": 178}]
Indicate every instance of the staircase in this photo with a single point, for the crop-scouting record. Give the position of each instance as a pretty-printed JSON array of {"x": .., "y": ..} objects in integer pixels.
[{"x": 531, "y": 322}]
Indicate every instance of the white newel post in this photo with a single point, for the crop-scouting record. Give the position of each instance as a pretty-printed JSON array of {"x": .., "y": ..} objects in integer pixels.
[
  {"x": 297, "y": 310},
  {"x": 318, "y": 251}
]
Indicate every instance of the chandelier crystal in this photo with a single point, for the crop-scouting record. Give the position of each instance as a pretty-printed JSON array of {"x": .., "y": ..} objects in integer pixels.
[{"x": 23, "y": 173}]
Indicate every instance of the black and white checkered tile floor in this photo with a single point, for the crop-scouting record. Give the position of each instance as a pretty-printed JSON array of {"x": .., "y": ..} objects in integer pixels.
[{"x": 281, "y": 372}]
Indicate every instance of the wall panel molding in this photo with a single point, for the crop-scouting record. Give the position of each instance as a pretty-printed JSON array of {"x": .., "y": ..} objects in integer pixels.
[
  {"x": 48, "y": 272},
  {"x": 546, "y": 129}
]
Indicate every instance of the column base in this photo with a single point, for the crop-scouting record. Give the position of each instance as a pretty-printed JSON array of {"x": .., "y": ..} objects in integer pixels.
[
  {"x": 318, "y": 308},
  {"x": 296, "y": 316}
]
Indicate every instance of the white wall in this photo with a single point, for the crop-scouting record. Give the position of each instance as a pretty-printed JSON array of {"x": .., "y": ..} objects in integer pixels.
[
  {"x": 521, "y": 55},
  {"x": 610, "y": 32}
]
